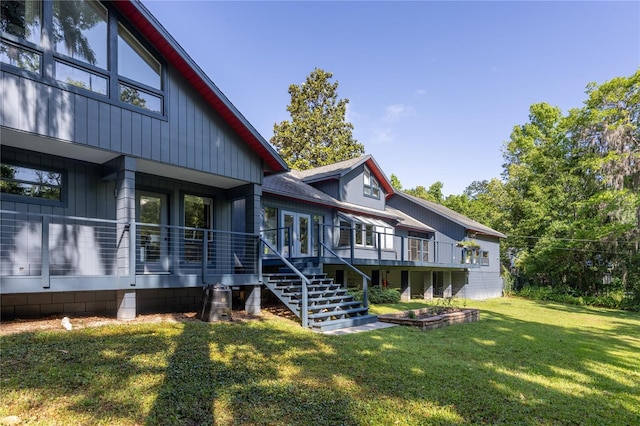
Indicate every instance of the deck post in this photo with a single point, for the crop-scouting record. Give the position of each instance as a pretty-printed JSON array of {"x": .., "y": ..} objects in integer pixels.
[
  {"x": 45, "y": 272},
  {"x": 405, "y": 286},
  {"x": 427, "y": 285},
  {"x": 126, "y": 303},
  {"x": 252, "y": 300}
]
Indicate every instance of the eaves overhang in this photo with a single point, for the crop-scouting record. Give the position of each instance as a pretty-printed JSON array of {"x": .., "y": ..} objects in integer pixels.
[{"x": 161, "y": 40}]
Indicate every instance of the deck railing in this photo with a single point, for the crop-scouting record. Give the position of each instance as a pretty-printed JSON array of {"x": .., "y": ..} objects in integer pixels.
[
  {"x": 365, "y": 278},
  {"x": 378, "y": 246},
  {"x": 304, "y": 302},
  {"x": 45, "y": 247}
]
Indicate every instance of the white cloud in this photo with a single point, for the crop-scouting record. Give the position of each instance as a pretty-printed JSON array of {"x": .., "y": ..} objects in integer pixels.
[
  {"x": 381, "y": 136},
  {"x": 351, "y": 114},
  {"x": 397, "y": 111}
]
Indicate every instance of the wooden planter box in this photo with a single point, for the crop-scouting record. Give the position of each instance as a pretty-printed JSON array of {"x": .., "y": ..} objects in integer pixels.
[{"x": 426, "y": 320}]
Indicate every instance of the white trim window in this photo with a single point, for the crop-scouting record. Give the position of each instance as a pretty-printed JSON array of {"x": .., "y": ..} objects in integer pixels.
[
  {"x": 368, "y": 231},
  {"x": 371, "y": 185},
  {"x": 484, "y": 258}
]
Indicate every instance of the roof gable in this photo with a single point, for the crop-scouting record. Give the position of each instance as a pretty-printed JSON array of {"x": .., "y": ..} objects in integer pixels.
[
  {"x": 453, "y": 216},
  {"x": 290, "y": 185},
  {"x": 159, "y": 38},
  {"x": 341, "y": 168}
]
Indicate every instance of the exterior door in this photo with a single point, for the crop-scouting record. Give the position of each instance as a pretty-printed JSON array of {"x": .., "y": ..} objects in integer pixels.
[
  {"x": 153, "y": 235},
  {"x": 296, "y": 234}
]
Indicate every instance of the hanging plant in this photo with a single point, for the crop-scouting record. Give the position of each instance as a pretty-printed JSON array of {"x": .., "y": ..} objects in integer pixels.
[{"x": 468, "y": 244}]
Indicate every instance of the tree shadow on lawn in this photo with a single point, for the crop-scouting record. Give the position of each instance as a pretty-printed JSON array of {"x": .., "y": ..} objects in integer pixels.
[
  {"x": 270, "y": 372},
  {"x": 504, "y": 369},
  {"x": 246, "y": 374}
]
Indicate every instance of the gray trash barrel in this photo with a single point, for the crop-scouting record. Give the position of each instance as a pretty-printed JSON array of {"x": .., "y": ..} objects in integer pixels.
[{"x": 216, "y": 303}]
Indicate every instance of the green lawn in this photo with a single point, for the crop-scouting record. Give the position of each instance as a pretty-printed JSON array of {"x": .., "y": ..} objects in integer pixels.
[{"x": 525, "y": 363}]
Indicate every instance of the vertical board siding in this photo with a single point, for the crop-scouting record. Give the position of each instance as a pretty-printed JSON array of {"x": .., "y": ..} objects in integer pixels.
[
  {"x": 10, "y": 100},
  {"x": 116, "y": 126},
  {"x": 42, "y": 102},
  {"x": 86, "y": 194},
  {"x": 353, "y": 190},
  {"x": 145, "y": 141},
  {"x": 125, "y": 132},
  {"x": 136, "y": 134},
  {"x": 104, "y": 126},
  {"x": 198, "y": 137},
  {"x": 446, "y": 230},
  {"x": 191, "y": 135},
  {"x": 156, "y": 135},
  {"x": 27, "y": 117},
  {"x": 190, "y": 132},
  {"x": 80, "y": 130}
]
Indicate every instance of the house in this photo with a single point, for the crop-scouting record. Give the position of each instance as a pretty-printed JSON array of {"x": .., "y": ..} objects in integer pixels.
[
  {"x": 128, "y": 179},
  {"x": 349, "y": 210}
]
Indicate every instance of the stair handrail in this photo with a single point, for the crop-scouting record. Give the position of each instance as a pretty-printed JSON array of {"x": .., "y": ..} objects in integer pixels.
[
  {"x": 365, "y": 277},
  {"x": 304, "y": 308}
]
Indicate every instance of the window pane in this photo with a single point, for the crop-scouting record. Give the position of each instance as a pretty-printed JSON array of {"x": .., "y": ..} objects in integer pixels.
[
  {"x": 359, "y": 233},
  {"x": 22, "y": 19},
  {"x": 303, "y": 225},
  {"x": 197, "y": 214},
  {"x": 30, "y": 182},
  {"x": 80, "y": 78},
  {"x": 19, "y": 57},
  {"x": 369, "y": 235},
  {"x": 80, "y": 31},
  {"x": 317, "y": 220},
  {"x": 269, "y": 225},
  {"x": 140, "y": 98},
  {"x": 135, "y": 62},
  {"x": 345, "y": 231}
]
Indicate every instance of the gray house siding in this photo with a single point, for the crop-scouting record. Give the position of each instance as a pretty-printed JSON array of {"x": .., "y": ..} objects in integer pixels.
[
  {"x": 353, "y": 190},
  {"x": 447, "y": 231},
  {"x": 85, "y": 193},
  {"x": 485, "y": 282},
  {"x": 482, "y": 281},
  {"x": 282, "y": 204},
  {"x": 107, "y": 151},
  {"x": 191, "y": 136},
  {"x": 331, "y": 187}
]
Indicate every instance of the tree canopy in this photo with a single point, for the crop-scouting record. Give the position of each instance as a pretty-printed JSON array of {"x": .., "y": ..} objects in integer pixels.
[
  {"x": 318, "y": 133},
  {"x": 569, "y": 195}
]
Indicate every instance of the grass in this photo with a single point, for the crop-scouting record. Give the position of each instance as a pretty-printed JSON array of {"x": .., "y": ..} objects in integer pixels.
[{"x": 529, "y": 363}]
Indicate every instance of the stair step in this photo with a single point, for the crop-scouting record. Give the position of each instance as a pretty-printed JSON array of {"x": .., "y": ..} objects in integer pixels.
[
  {"x": 333, "y": 305},
  {"x": 345, "y": 298},
  {"x": 314, "y": 288},
  {"x": 337, "y": 313},
  {"x": 291, "y": 276},
  {"x": 343, "y": 323},
  {"x": 319, "y": 294}
]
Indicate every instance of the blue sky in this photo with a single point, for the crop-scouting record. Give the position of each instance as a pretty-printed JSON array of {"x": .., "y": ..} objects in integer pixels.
[{"x": 434, "y": 88}]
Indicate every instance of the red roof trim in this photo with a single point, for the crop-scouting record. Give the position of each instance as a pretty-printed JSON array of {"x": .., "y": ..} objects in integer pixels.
[
  {"x": 382, "y": 180},
  {"x": 155, "y": 37}
]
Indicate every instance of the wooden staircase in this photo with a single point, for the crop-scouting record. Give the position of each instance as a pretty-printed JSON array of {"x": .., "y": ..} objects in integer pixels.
[{"x": 330, "y": 307}]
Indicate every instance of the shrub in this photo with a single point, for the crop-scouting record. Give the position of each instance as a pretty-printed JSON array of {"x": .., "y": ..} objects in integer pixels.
[
  {"x": 612, "y": 300},
  {"x": 378, "y": 295}
]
